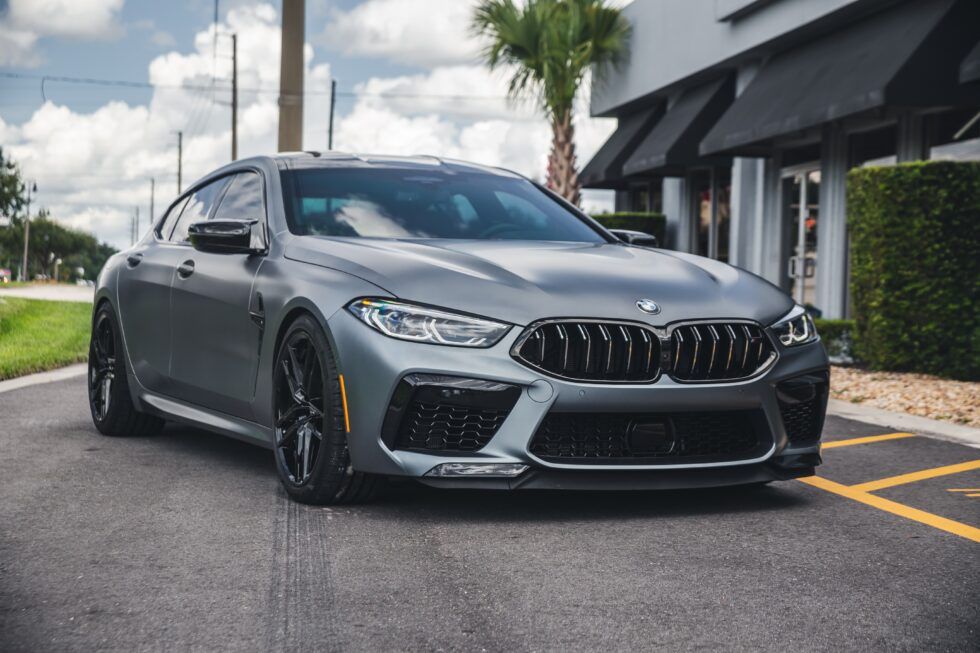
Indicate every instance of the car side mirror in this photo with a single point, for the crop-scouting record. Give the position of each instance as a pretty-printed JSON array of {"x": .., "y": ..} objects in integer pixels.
[
  {"x": 638, "y": 238},
  {"x": 222, "y": 236}
]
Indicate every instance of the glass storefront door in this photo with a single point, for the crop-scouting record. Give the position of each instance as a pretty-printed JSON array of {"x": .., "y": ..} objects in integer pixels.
[
  {"x": 712, "y": 190},
  {"x": 801, "y": 199}
]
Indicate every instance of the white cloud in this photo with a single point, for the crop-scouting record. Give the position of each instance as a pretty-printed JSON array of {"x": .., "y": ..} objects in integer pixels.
[
  {"x": 163, "y": 38},
  {"x": 93, "y": 169},
  {"x": 489, "y": 132},
  {"x": 416, "y": 32},
  {"x": 17, "y": 46},
  {"x": 26, "y": 21}
]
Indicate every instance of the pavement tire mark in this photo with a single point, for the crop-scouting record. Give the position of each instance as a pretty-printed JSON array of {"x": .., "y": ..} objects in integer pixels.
[{"x": 303, "y": 614}]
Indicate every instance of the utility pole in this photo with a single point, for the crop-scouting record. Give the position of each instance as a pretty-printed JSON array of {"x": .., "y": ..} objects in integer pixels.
[
  {"x": 291, "y": 76},
  {"x": 234, "y": 97},
  {"x": 180, "y": 157},
  {"x": 153, "y": 183},
  {"x": 32, "y": 186},
  {"x": 136, "y": 231},
  {"x": 333, "y": 103}
]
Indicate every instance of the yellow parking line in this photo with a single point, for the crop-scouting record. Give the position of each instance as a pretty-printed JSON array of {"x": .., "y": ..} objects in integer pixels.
[
  {"x": 943, "y": 524},
  {"x": 902, "y": 479},
  {"x": 867, "y": 440}
]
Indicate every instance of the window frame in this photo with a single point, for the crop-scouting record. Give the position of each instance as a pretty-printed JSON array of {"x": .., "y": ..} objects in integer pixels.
[{"x": 159, "y": 238}]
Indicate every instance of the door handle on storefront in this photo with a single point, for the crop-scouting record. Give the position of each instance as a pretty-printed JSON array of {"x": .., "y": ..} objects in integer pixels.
[
  {"x": 791, "y": 266},
  {"x": 185, "y": 269}
]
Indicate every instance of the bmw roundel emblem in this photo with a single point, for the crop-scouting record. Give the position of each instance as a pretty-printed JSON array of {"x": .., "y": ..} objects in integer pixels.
[{"x": 648, "y": 306}]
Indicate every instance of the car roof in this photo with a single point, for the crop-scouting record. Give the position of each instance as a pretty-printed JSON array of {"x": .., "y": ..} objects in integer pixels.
[{"x": 335, "y": 159}]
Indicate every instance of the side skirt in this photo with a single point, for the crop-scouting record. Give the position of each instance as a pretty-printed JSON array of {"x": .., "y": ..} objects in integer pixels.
[{"x": 209, "y": 420}]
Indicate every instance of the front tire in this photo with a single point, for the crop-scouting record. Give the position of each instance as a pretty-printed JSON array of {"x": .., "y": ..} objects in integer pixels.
[
  {"x": 109, "y": 400},
  {"x": 311, "y": 452}
]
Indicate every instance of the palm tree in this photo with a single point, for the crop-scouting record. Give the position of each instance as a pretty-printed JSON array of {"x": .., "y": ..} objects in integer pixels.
[{"x": 551, "y": 45}]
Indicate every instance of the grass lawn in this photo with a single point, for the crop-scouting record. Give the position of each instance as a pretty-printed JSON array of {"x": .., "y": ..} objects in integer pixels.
[{"x": 37, "y": 335}]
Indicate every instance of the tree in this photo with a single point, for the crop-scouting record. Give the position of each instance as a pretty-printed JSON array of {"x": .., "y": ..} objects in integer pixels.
[
  {"x": 49, "y": 239},
  {"x": 551, "y": 45},
  {"x": 12, "y": 188}
]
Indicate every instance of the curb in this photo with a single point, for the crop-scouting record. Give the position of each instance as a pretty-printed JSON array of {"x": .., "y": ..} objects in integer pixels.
[
  {"x": 932, "y": 428},
  {"x": 43, "y": 377}
]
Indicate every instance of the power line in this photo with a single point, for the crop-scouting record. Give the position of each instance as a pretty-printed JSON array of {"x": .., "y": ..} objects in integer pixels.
[{"x": 209, "y": 88}]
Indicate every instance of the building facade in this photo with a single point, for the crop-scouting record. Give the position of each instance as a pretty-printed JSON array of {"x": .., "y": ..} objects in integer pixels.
[{"x": 739, "y": 120}]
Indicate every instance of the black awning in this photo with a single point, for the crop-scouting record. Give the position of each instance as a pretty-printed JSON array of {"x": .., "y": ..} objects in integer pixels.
[
  {"x": 672, "y": 146},
  {"x": 906, "y": 56},
  {"x": 970, "y": 68},
  {"x": 605, "y": 170}
]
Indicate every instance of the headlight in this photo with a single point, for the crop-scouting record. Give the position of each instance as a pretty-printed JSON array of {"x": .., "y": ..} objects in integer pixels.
[
  {"x": 796, "y": 328},
  {"x": 422, "y": 324}
]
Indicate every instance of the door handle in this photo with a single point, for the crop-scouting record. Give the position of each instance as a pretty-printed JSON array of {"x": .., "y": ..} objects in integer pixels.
[
  {"x": 185, "y": 269},
  {"x": 791, "y": 266},
  {"x": 134, "y": 259}
]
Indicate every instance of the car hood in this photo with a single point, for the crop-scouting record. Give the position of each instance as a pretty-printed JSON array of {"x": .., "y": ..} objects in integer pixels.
[{"x": 520, "y": 281}]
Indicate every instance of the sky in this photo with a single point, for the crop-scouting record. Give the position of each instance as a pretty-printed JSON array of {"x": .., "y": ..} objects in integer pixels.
[{"x": 408, "y": 76}]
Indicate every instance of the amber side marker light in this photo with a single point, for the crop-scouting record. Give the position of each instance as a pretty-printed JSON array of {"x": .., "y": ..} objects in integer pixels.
[{"x": 343, "y": 398}]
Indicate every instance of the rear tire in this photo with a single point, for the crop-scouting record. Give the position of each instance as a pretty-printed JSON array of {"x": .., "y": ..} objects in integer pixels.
[
  {"x": 109, "y": 400},
  {"x": 311, "y": 452}
]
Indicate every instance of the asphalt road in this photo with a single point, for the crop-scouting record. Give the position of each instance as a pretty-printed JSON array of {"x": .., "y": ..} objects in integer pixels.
[{"x": 183, "y": 541}]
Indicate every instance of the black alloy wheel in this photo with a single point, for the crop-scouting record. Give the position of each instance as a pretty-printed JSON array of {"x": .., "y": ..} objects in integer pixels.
[
  {"x": 102, "y": 367},
  {"x": 299, "y": 407},
  {"x": 112, "y": 407},
  {"x": 311, "y": 451}
]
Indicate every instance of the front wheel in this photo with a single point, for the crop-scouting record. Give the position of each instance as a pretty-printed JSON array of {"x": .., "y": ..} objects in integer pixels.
[
  {"x": 312, "y": 457},
  {"x": 113, "y": 411}
]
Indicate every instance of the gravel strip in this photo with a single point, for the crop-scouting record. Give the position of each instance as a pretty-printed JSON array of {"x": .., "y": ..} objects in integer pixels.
[{"x": 915, "y": 394}]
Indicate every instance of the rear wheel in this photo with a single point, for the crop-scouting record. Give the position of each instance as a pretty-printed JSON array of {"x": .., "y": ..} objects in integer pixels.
[
  {"x": 312, "y": 456},
  {"x": 113, "y": 411}
]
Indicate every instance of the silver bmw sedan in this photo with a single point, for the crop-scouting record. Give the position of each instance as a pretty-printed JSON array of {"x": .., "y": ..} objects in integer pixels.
[{"x": 371, "y": 317}]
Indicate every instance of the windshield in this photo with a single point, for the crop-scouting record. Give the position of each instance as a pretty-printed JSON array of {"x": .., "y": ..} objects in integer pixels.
[{"x": 403, "y": 203}]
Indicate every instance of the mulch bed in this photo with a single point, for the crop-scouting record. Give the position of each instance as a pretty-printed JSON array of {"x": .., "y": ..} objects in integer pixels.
[{"x": 915, "y": 394}]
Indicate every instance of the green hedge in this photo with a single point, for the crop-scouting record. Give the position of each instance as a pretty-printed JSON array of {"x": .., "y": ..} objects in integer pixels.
[
  {"x": 915, "y": 266},
  {"x": 838, "y": 338},
  {"x": 654, "y": 224}
]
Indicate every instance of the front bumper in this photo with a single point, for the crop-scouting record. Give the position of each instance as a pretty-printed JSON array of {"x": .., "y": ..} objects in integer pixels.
[{"x": 374, "y": 364}]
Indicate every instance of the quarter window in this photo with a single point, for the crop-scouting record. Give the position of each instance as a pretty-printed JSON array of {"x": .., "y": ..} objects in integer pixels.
[{"x": 198, "y": 208}]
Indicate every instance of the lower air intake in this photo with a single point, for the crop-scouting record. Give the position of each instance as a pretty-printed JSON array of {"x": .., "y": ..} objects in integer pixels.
[
  {"x": 651, "y": 438},
  {"x": 803, "y": 405},
  {"x": 446, "y": 414}
]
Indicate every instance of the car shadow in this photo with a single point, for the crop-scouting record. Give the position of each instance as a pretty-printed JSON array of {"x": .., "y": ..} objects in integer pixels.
[
  {"x": 554, "y": 505},
  {"x": 214, "y": 449},
  {"x": 404, "y": 498}
]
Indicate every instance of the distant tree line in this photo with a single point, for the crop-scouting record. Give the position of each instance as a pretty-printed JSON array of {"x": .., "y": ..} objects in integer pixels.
[{"x": 81, "y": 254}]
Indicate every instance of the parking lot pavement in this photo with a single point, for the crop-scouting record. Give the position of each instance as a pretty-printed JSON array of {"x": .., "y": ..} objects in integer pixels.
[{"x": 183, "y": 541}]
